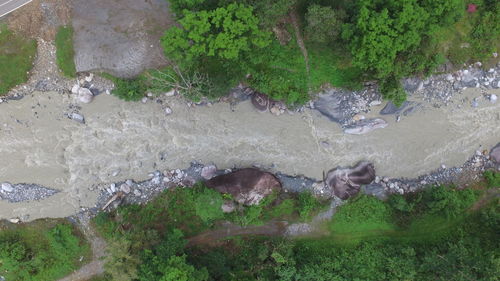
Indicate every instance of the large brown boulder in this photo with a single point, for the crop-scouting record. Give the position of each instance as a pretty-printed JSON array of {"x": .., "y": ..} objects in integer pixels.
[
  {"x": 346, "y": 182},
  {"x": 247, "y": 186}
]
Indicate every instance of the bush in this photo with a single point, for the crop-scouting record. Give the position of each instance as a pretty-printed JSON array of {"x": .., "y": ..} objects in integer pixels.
[
  {"x": 128, "y": 89},
  {"x": 65, "y": 53},
  {"x": 16, "y": 59},
  {"x": 45, "y": 250}
]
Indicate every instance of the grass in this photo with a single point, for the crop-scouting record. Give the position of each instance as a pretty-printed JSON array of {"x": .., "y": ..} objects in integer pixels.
[
  {"x": 16, "y": 59},
  {"x": 41, "y": 250},
  {"x": 65, "y": 52}
]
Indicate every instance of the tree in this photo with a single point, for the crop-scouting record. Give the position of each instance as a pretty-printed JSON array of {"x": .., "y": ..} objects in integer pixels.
[
  {"x": 323, "y": 23},
  {"x": 224, "y": 33}
]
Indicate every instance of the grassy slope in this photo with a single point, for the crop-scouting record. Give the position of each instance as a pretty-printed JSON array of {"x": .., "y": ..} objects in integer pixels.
[
  {"x": 65, "y": 52},
  {"x": 16, "y": 59}
]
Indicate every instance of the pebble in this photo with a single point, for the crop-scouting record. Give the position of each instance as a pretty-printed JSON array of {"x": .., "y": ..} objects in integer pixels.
[
  {"x": 89, "y": 78},
  {"x": 125, "y": 188},
  {"x": 137, "y": 192},
  {"x": 144, "y": 100},
  {"x": 474, "y": 103},
  {"x": 74, "y": 89},
  {"x": 7, "y": 187},
  {"x": 116, "y": 173},
  {"x": 108, "y": 92},
  {"x": 129, "y": 182},
  {"x": 443, "y": 166},
  {"x": 113, "y": 187},
  {"x": 15, "y": 220},
  {"x": 385, "y": 179},
  {"x": 168, "y": 110}
]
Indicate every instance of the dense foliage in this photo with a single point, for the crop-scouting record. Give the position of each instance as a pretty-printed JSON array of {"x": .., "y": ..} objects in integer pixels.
[
  {"x": 287, "y": 49},
  {"x": 44, "y": 250},
  {"x": 16, "y": 58},
  {"x": 65, "y": 52},
  {"x": 429, "y": 235}
]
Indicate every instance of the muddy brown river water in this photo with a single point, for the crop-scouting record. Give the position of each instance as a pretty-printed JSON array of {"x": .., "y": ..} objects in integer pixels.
[{"x": 123, "y": 140}]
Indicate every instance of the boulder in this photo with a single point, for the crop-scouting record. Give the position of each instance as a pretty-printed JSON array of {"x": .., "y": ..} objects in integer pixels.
[
  {"x": 365, "y": 126},
  {"x": 260, "y": 101},
  {"x": 85, "y": 95},
  {"x": 377, "y": 190},
  {"x": 77, "y": 117},
  {"x": 247, "y": 186},
  {"x": 346, "y": 182},
  {"x": 495, "y": 154},
  {"x": 331, "y": 105}
]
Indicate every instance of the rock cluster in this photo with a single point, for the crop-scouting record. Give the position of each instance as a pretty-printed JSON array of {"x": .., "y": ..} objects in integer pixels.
[
  {"x": 15, "y": 193},
  {"x": 263, "y": 103}
]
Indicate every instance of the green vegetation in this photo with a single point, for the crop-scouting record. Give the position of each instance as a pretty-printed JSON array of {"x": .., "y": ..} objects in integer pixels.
[
  {"x": 16, "y": 59},
  {"x": 430, "y": 235},
  {"x": 288, "y": 49},
  {"x": 42, "y": 250},
  {"x": 65, "y": 52}
]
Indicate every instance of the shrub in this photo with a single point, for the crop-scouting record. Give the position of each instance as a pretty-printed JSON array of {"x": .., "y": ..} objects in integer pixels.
[
  {"x": 208, "y": 205},
  {"x": 307, "y": 203},
  {"x": 65, "y": 53},
  {"x": 16, "y": 58}
]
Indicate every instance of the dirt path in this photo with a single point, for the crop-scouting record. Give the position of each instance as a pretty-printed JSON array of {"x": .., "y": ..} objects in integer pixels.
[
  {"x": 294, "y": 18},
  {"x": 98, "y": 245},
  {"x": 213, "y": 237}
]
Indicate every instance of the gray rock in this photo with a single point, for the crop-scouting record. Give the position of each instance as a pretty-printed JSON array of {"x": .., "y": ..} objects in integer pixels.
[
  {"x": 228, "y": 207},
  {"x": 493, "y": 98},
  {"x": 346, "y": 182},
  {"x": 74, "y": 89},
  {"x": 390, "y": 108},
  {"x": 247, "y": 186},
  {"x": 376, "y": 190},
  {"x": 7, "y": 187},
  {"x": 495, "y": 153},
  {"x": 330, "y": 105},
  {"x": 77, "y": 117},
  {"x": 365, "y": 126}
]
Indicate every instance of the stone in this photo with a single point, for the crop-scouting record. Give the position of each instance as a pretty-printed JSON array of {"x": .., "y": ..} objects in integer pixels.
[
  {"x": 129, "y": 182},
  {"x": 475, "y": 103},
  {"x": 77, "y": 117},
  {"x": 89, "y": 78},
  {"x": 346, "y": 182},
  {"x": 358, "y": 117},
  {"x": 260, "y": 101},
  {"x": 275, "y": 110},
  {"x": 495, "y": 154},
  {"x": 493, "y": 98},
  {"x": 228, "y": 207},
  {"x": 391, "y": 108},
  {"x": 247, "y": 186},
  {"x": 14, "y": 220},
  {"x": 365, "y": 126},
  {"x": 113, "y": 187},
  {"x": 85, "y": 95},
  {"x": 74, "y": 89},
  {"x": 7, "y": 187},
  {"x": 144, "y": 100},
  {"x": 125, "y": 188},
  {"x": 170, "y": 93},
  {"x": 137, "y": 192},
  {"x": 208, "y": 172},
  {"x": 168, "y": 110},
  {"x": 449, "y": 77}
]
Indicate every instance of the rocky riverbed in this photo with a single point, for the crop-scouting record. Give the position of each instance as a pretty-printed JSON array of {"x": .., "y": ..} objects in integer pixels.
[{"x": 120, "y": 141}]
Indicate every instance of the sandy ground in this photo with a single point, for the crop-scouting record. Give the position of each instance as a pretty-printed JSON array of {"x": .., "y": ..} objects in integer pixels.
[
  {"x": 40, "y": 145},
  {"x": 119, "y": 36}
]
